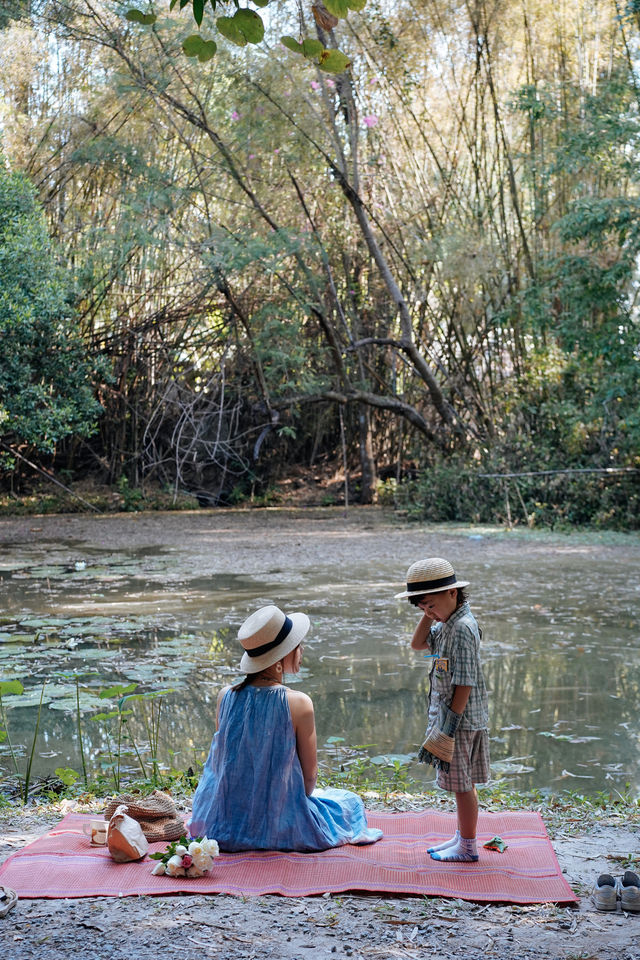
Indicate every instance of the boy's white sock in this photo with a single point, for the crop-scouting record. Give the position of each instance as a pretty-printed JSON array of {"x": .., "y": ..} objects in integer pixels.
[
  {"x": 464, "y": 851},
  {"x": 447, "y": 843}
]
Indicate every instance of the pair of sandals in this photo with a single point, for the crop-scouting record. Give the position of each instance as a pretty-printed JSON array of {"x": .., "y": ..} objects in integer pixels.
[
  {"x": 608, "y": 891},
  {"x": 8, "y": 900}
]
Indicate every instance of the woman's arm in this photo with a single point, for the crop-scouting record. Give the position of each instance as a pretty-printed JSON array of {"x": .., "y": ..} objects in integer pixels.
[
  {"x": 304, "y": 725},
  {"x": 220, "y": 696},
  {"x": 420, "y": 639}
]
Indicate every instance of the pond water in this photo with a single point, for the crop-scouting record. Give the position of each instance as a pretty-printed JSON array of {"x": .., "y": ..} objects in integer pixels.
[{"x": 561, "y": 624}]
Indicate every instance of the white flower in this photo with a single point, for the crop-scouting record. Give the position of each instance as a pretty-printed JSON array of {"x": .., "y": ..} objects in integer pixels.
[
  {"x": 195, "y": 849},
  {"x": 202, "y": 862},
  {"x": 193, "y": 871},
  {"x": 181, "y": 849},
  {"x": 174, "y": 866},
  {"x": 211, "y": 847},
  {"x": 159, "y": 869}
]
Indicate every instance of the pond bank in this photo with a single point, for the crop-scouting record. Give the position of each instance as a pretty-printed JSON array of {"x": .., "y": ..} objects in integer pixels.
[{"x": 587, "y": 842}]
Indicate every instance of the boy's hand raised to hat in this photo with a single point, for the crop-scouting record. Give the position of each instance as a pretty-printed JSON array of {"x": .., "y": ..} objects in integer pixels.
[{"x": 421, "y": 638}]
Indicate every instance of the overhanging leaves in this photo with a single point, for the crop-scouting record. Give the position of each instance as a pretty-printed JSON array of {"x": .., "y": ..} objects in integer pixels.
[
  {"x": 196, "y": 46},
  {"x": 339, "y": 8},
  {"x": 137, "y": 16}
]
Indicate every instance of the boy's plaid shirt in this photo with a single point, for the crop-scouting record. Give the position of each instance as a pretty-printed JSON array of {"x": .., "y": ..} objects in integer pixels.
[{"x": 456, "y": 644}]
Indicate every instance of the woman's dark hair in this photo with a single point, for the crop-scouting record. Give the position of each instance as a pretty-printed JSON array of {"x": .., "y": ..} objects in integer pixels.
[
  {"x": 461, "y": 598},
  {"x": 241, "y": 684}
]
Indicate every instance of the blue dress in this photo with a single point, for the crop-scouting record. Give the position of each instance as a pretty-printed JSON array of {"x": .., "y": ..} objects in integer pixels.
[{"x": 251, "y": 794}]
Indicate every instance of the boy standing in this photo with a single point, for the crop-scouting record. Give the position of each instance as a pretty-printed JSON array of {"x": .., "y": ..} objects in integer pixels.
[{"x": 457, "y": 738}]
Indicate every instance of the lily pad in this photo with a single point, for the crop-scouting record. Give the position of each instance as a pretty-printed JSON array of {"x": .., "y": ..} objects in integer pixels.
[
  {"x": 17, "y": 637},
  {"x": 30, "y": 698},
  {"x": 390, "y": 759},
  {"x": 88, "y": 701}
]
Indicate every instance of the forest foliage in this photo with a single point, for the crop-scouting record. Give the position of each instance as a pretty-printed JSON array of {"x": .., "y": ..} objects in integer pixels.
[{"x": 425, "y": 265}]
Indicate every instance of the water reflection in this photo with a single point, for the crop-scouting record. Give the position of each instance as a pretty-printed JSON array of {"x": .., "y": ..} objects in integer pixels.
[{"x": 561, "y": 656}]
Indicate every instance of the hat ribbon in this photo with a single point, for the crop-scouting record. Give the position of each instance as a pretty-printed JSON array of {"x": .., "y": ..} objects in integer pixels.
[
  {"x": 283, "y": 632},
  {"x": 427, "y": 585}
]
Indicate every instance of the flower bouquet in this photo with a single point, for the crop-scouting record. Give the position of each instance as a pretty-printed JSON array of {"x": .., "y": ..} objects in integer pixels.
[{"x": 184, "y": 858}]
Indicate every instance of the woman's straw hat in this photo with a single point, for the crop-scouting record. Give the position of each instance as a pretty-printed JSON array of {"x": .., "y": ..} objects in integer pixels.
[
  {"x": 157, "y": 814},
  {"x": 430, "y": 576},
  {"x": 268, "y": 635}
]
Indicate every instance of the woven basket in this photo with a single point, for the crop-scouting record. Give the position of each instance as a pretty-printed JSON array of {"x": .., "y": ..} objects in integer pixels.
[
  {"x": 157, "y": 806},
  {"x": 170, "y": 829}
]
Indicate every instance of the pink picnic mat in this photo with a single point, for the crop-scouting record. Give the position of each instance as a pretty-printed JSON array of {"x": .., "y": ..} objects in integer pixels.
[{"x": 63, "y": 864}]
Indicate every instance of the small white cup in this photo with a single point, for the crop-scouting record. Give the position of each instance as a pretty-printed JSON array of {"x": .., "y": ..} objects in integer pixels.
[{"x": 96, "y": 830}]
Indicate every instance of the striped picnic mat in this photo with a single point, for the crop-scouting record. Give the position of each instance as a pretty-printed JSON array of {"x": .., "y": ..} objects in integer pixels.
[{"x": 63, "y": 864}]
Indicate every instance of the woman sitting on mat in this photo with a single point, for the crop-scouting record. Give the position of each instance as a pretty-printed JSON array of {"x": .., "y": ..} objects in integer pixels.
[{"x": 257, "y": 790}]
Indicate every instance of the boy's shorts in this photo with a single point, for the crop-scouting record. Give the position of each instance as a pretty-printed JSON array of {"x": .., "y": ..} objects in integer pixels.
[{"x": 470, "y": 763}]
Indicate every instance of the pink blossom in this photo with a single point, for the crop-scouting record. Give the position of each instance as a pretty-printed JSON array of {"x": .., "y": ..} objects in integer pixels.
[
  {"x": 187, "y": 859},
  {"x": 235, "y": 115},
  {"x": 329, "y": 82},
  {"x": 374, "y": 80},
  {"x": 371, "y": 120},
  {"x": 315, "y": 85},
  {"x": 277, "y": 150}
]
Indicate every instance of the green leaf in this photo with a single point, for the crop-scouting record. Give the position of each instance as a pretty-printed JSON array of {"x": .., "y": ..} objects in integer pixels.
[
  {"x": 312, "y": 49},
  {"x": 3, "y": 735},
  {"x": 207, "y": 50},
  {"x": 333, "y": 61},
  {"x": 339, "y": 8},
  {"x": 118, "y": 691},
  {"x": 251, "y": 25},
  {"x": 230, "y": 29},
  {"x": 137, "y": 16},
  {"x": 261, "y": 3},
  {"x": 198, "y": 11},
  {"x": 67, "y": 775},
  {"x": 356, "y": 4},
  {"x": 172, "y": 4},
  {"x": 191, "y": 45},
  {"x": 195, "y": 46},
  {"x": 10, "y": 687},
  {"x": 291, "y": 44}
]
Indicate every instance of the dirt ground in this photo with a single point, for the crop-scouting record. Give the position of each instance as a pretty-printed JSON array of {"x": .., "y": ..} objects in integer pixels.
[{"x": 361, "y": 927}]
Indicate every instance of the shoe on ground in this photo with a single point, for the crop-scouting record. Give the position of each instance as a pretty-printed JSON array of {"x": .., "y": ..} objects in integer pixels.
[
  {"x": 629, "y": 890},
  {"x": 605, "y": 893}
]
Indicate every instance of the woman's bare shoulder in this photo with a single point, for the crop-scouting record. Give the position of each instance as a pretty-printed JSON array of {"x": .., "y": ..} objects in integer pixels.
[{"x": 299, "y": 702}]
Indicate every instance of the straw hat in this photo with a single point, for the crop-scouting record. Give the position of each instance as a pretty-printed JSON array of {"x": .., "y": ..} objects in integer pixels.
[
  {"x": 157, "y": 815},
  {"x": 268, "y": 635},
  {"x": 430, "y": 576},
  {"x": 156, "y": 806}
]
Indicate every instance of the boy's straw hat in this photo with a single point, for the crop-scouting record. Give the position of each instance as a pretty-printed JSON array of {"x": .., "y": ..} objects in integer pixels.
[
  {"x": 430, "y": 576},
  {"x": 268, "y": 635}
]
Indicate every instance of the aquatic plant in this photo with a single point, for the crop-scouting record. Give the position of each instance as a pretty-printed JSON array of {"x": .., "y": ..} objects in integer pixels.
[
  {"x": 64, "y": 772},
  {"x": 115, "y": 754},
  {"x": 10, "y": 687},
  {"x": 151, "y": 707}
]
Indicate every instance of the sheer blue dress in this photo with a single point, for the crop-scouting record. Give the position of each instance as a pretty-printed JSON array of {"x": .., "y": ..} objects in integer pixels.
[{"x": 251, "y": 794}]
